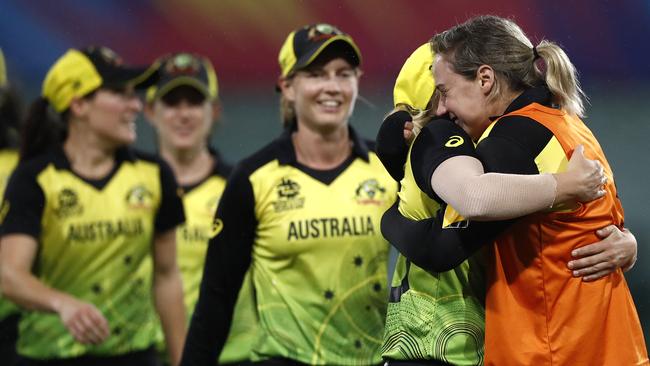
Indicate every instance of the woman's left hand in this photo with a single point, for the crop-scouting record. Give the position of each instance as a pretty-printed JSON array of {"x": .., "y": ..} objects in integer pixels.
[
  {"x": 409, "y": 134},
  {"x": 616, "y": 250}
]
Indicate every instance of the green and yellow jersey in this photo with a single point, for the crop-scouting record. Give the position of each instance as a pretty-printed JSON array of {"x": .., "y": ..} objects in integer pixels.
[
  {"x": 93, "y": 235},
  {"x": 434, "y": 316},
  {"x": 317, "y": 259},
  {"x": 8, "y": 161},
  {"x": 200, "y": 202}
]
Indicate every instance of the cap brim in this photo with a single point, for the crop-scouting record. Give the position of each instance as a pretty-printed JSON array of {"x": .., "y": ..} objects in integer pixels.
[
  {"x": 182, "y": 81},
  {"x": 138, "y": 77},
  {"x": 309, "y": 57}
]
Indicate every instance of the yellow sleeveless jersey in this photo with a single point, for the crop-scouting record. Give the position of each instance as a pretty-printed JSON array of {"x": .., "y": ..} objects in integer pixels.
[
  {"x": 92, "y": 237},
  {"x": 200, "y": 202}
]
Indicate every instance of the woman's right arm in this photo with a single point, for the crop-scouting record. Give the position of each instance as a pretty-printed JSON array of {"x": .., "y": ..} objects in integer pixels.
[
  {"x": 445, "y": 165},
  {"x": 22, "y": 209},
  {"x": 227, "y": 260},
  {"x": 83, "y": 320},
  {"x": 430, "y": 245},
  {"x": 461, "y": 182},
  {"x": 393, "y": 142}
]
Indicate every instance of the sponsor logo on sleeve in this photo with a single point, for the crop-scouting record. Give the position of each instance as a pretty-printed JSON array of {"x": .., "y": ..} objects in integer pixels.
[
  {"x": 454, "y": 141},
  {"x": 217, "y": 226}
]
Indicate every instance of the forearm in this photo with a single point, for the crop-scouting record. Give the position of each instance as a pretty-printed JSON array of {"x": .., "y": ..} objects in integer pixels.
[
  {"x": 19, "y": 284},
  {"x": 392, "y": 149},
  {"x": 28, "y": 292},
  {"x": 461, "y": 182},
  {"x": 434, "y": 248},
  {"x": 168, "y": 299},
  {"x": 222, "y": 279}
]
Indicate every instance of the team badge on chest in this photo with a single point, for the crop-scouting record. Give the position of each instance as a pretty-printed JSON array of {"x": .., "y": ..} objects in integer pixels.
[
  {"x": 139, "y": 197},
  {"x": 289, "y": 197},
  {"x": 67, "y": 204},
  {"x": 369, "y": 192}
]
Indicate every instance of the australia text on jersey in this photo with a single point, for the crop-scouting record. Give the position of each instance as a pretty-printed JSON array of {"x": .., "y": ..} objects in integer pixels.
[{"x": 324, "y": 227}]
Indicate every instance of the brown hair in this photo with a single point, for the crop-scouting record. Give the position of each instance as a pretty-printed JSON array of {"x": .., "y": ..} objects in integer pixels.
[{"x": 501, "y": 44}]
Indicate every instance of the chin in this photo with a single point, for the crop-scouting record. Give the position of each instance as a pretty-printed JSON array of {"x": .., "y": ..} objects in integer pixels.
[
  {"x": 184, "y": 143},
  {"x": 125, "y": 140},
  {"x": 332, "y": 121}
]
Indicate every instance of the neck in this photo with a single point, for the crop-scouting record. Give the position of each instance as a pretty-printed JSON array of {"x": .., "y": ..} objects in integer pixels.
[
  {"x": 322, "y": 150},
  {"x": 504, "y": 102},
  {"x": 88, "y": 157},
  {"x": 189, "y": 165}
]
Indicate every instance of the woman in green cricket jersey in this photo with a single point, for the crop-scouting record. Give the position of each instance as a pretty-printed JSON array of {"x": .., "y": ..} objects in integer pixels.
[
  {"x": 182, "y": 107},
  {"x": 10, "y": 111},
  {"x": 83, "y": 211},
  {"x": 438, "y": 318},
  {"x": 303, "y": 214}
]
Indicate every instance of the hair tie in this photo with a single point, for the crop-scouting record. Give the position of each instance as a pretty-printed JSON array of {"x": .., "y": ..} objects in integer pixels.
[{"x": 535, "y": 54}]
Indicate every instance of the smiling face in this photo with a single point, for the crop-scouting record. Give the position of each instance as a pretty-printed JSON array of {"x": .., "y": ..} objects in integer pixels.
[
  {"x": 111, "y": 115},
  {"x": 323, "y": 94},
  {"x": 465, "y": 100},
  {"x": 183, "y": 118}
]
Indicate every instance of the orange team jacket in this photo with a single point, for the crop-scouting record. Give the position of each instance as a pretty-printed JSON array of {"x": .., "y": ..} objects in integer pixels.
[{"x": 536, "y": 312}]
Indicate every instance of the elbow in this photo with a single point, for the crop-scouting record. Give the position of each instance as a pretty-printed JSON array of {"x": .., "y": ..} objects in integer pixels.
[
  {"x": 472, "y": 206},
  {"x": 166, "y": 275}
]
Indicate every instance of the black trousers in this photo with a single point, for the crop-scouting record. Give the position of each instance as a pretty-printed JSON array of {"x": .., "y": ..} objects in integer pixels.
[
  {"x": 147, "y": 357},
  {"x": 8, "y": 336},
  {"x": 270, "y": 362},
  {"x": 417, "y": 363}
]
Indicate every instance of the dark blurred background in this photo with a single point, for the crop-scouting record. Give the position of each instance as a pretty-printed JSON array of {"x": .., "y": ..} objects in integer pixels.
[{"x": 607, "y": 40}]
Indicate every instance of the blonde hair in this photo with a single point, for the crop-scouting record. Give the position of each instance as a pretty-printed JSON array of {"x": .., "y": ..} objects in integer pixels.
[
  {"x": 287, "y": 112},
  {"x": 421, "y": 117},
  {"x": 501, "y": 44}
]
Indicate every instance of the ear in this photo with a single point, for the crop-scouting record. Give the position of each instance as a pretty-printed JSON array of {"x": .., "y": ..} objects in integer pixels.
[
  {"x": 78, "y": 107},
  {"x": 486, "y": 78},
  {"x": 287, "y": 89}
]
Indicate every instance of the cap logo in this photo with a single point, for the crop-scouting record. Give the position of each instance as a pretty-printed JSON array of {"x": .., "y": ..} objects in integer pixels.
[
  {"x": 182, "y": 64},
  {"x": 109, "y": 56},
  {"x": 322, "y": 31}
]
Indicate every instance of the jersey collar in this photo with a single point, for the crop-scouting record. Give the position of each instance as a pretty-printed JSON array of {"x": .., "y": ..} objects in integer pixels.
[
  {"x": 220, "y": 166},
  {"x": 287, "y": 152},
  {"x": 61, "y": 161},
  {"x": 538, "y": 94}
]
